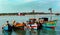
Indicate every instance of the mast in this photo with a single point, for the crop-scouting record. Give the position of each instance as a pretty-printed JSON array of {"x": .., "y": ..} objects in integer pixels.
[{"x": 50, "y": 9}]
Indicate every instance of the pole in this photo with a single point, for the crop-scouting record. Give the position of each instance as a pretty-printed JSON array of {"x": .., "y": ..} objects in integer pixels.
[
  {"x": 34, "y": 13},
  {"x": 50, "y": 13}
]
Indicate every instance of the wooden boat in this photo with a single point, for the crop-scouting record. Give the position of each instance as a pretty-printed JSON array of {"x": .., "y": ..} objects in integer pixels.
[{"x": 19, "y": 26}]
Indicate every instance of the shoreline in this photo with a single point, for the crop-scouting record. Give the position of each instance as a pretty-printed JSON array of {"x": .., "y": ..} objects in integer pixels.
[{"x": 23, "y": 14}]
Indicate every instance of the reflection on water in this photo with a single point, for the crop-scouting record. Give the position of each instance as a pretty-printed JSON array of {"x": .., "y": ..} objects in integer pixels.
[
  {"x": 46, "y": 32},
  {"x": 43, "y": 32},
  {"x": 6, "y": 32},
  {"x": 20, "y": 32},
  {"x": 32, "y": 32}
]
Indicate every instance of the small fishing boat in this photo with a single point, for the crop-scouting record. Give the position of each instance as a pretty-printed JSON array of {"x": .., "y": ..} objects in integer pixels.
[
  {"x": 19, "y": 26},
  {"x": 50, "y": 24},
  {"x": 32, "y": 26},
  {"x": 45, "y": 23},
  {"x": 7, "y": 28}
]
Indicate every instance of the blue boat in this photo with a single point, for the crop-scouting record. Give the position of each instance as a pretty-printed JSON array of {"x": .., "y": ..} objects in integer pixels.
[{"x": 7, "y": 28}]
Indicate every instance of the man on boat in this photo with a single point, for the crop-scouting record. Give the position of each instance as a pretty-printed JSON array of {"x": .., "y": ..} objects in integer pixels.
[
  {"x": 39, "y": 24},
  {"x": 14, "y": 24}
]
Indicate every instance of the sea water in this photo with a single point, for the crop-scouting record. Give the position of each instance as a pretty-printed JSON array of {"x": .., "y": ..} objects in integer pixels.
[{"x": 21, "y": 19}]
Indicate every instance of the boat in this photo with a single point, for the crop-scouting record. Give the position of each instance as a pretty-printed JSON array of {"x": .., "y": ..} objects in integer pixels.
[
  {"x": 50, "y": 24},
  {"x": 32, "y": 26},
  {"x": 46, "y": 24},
  {"x": 7, "y": 28},
  {"x": 19, "y": 26}
]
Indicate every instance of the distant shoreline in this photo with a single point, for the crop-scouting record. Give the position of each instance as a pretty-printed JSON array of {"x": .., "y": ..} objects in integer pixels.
[{"x": 17, "y": 14}]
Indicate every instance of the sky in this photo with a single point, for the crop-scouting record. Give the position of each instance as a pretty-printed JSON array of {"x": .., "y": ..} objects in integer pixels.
[{"x": 17, "y": 6}]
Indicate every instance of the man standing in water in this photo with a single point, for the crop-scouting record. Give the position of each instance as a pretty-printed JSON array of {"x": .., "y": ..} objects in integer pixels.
[{"x": 9, "y": 26}]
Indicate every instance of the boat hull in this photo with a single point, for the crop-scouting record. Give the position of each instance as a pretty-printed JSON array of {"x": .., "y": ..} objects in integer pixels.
[
  {"x": 51, "y": 24},
  {"x": 19, "y": 26}
]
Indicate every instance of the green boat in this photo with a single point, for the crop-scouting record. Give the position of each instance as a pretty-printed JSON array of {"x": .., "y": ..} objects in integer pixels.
[{"x": 50, "y": 24}]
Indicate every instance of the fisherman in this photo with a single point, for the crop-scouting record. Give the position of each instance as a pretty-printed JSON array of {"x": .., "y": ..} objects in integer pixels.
[
  {"x": 9, "y": 26},
  {"x": 25, "y": 25},
  {"x": 39, "y": 24},
  {"x": 14, "y": 23}
]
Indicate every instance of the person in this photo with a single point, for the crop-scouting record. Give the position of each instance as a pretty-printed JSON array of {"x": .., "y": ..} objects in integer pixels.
[
  {"x": 14, "y": 23},
  {"x": 39, "y": 24},
  {"x": 9, "y": 26},
  {"x": 24, "y": 24}
]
